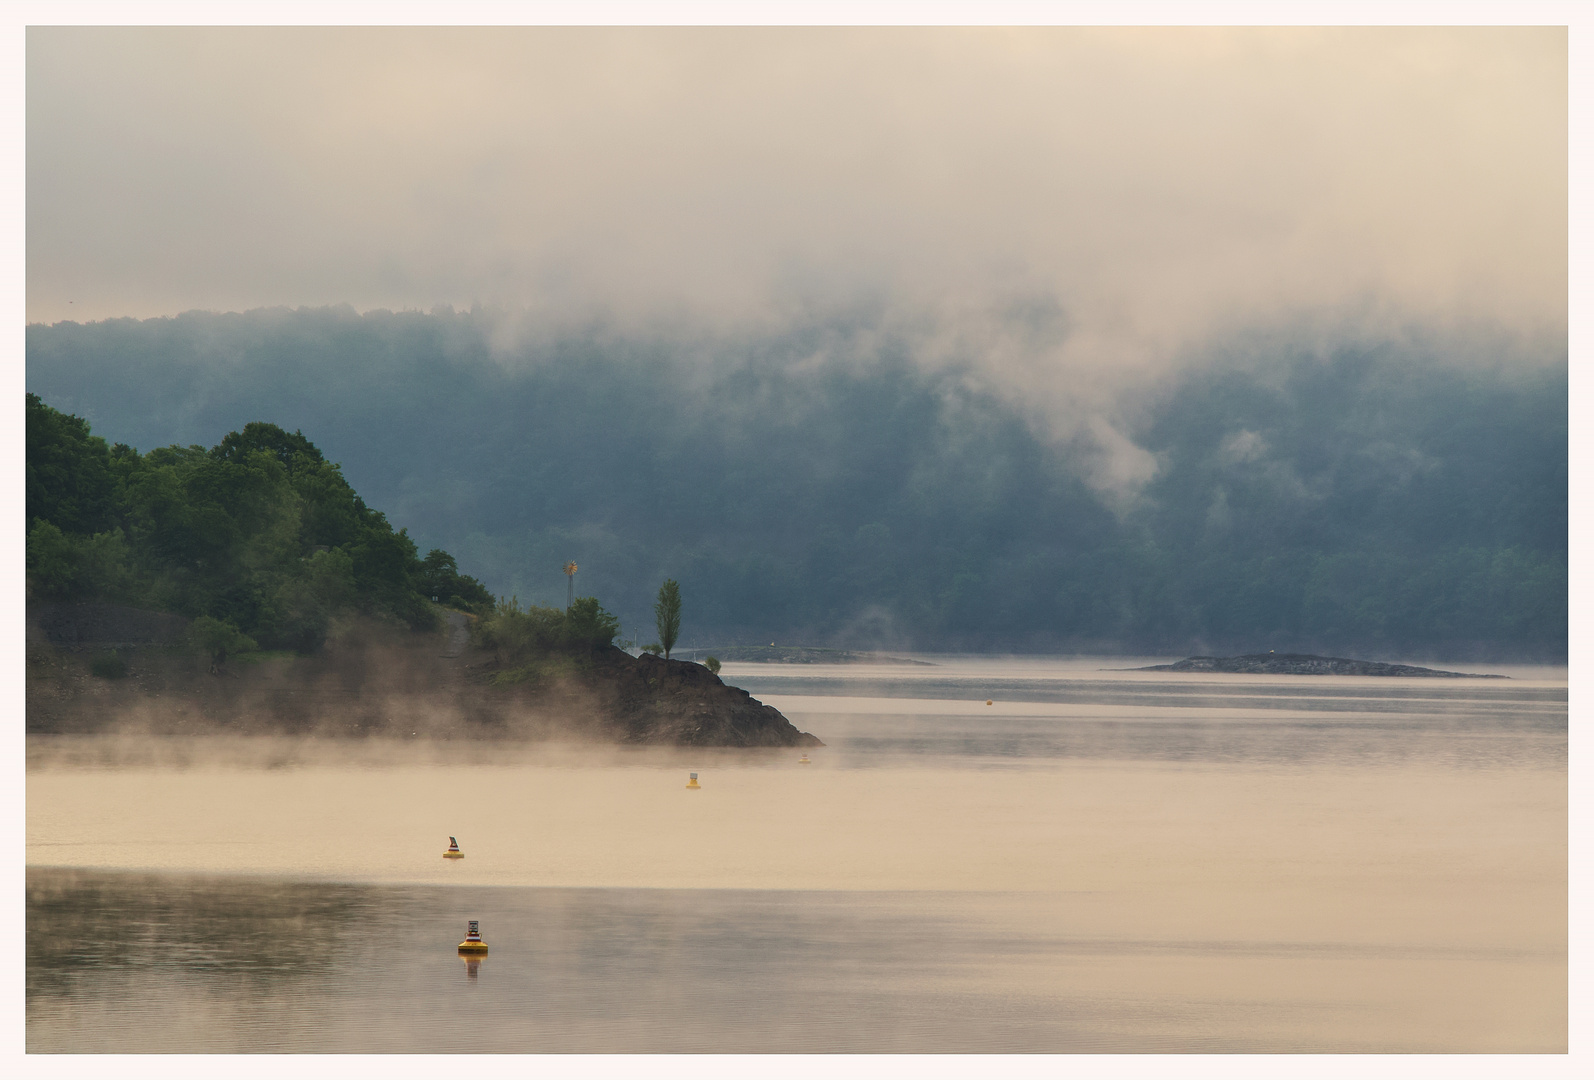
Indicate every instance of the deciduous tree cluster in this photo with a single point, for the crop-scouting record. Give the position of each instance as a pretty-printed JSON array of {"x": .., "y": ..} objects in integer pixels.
[{"x": 259, "y": 538}]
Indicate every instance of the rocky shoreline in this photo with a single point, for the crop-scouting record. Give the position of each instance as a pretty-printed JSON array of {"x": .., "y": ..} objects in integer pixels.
[
  {"x": 684, "y": 704},
  {"x": 374, "y": 681},
  {"x": 1307, "y": 664}
]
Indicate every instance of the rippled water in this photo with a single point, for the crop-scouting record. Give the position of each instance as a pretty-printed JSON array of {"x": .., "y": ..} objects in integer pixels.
[{"x": 1097, "y": 860}]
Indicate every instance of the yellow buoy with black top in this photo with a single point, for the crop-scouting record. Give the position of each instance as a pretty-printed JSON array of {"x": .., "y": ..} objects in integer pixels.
[
  {"x": 692, "y": 784},
  {"x": 453, "y": 851},
  {"x": 473, "y": 945}
]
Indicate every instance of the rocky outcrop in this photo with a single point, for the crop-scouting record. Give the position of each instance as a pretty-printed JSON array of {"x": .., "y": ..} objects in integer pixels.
[
  {"x": 685, "y": 704},
  {"x": 1305, "y": 664}
]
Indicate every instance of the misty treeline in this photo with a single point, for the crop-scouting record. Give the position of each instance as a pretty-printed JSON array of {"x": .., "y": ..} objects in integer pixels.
[
  {"x": 258, "y": 538},
  {"x": 819, "y": 485}
]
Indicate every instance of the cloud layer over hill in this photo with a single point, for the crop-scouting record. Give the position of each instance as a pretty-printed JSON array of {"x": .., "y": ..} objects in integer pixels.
[{"x": 1372, "y": 498}]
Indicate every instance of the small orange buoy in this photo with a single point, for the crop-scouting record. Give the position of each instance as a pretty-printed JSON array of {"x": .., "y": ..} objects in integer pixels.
[
  {"x": 987, "y": 702},
  {"x": 453, "y": 851},
  {"x": 692, "y": 784}
]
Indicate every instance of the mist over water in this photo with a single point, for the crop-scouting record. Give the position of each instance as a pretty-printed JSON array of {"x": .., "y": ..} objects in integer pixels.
[
  {"x": 1098, "y": 860},
  {"x": 1199, "y": 340}
]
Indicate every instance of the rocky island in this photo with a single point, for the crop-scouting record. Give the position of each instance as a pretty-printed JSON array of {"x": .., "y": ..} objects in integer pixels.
[{"x": 1306, "y": 664}]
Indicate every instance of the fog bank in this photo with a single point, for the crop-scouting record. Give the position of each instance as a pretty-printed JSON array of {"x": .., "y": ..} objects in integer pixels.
[{"x": 1061, "y": 205}]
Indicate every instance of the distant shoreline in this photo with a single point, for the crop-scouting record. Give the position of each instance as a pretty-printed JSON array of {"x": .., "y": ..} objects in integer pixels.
[{"x": 1307, "y": 664}]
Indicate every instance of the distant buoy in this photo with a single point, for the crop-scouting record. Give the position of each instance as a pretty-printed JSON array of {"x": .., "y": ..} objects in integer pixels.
[
  {"x": 692, "y": 784},
  {"x": 473, "y": 943},
  {"x": 453, "y": 851},
  {"x": 804, "y": 760},
  {"x": 987, "y": 702}
]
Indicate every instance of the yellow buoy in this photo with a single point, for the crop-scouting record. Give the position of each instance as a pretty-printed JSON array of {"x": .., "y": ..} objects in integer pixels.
[
  {"x": 453, "y": 851},
  {"x": 473, "y": 943},
  {"x": 692, "y": 784},
  {"x": 804, "y": 760}
]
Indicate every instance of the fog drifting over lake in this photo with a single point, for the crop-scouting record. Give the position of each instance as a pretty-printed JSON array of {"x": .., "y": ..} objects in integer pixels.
[{"x": 1056, "y": 201}]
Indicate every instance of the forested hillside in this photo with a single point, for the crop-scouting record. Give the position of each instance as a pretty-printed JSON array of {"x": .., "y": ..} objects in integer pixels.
[
  {"x": 820, "y": 485},
  {"x": 260, "y": 537}
]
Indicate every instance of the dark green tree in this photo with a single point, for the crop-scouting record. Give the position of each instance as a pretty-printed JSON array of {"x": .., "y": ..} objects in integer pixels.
[
  {"x": 519, "y": 633},
  {"x": 273, "y": 440},
  {"x": 588, "y": 626},
  {"x": 667, "y": 615},
  {"x": 69, "y": 480},
  {"x": 217, "y": 639},
  {"x": 441, "y": 580}
]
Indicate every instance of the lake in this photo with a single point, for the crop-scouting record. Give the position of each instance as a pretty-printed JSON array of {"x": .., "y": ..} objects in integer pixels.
[{"x": 1097, "y": 860}]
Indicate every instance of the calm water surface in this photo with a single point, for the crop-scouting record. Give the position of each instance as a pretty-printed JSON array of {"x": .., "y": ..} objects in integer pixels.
[{"x": 1096, "y": 861}]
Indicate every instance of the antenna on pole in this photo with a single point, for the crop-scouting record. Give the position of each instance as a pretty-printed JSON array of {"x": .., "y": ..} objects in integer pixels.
[{"x": 570, "y": 580}]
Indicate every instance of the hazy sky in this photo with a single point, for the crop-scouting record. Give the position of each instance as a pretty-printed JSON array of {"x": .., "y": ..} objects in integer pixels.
[{"x": 1054, "y": 201}]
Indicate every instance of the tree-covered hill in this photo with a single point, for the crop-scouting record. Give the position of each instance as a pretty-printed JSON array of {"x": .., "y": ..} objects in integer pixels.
[
  {"x": 259, "y": 534},
  {"x": 818, "y": 483}
]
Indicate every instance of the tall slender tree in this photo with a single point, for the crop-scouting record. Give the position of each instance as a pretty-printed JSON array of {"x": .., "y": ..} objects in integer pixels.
[{"x": 667, "y": 615}]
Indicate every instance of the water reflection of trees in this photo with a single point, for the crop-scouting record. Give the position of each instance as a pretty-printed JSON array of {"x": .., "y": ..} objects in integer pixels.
[{"x": 235, "y": 934}]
